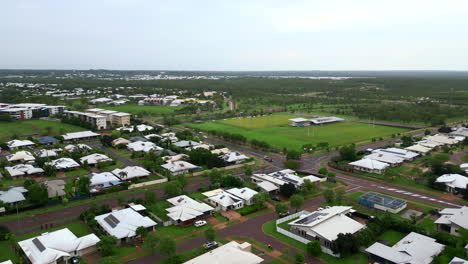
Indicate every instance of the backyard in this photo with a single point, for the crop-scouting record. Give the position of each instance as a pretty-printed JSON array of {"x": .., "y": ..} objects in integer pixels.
[
  {"x": 34, "y": 127},
  {"x": 276, "y": 131}
]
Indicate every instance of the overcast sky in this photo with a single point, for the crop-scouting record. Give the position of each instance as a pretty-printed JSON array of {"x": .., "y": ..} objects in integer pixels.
[{"x": 234, "y": 34}]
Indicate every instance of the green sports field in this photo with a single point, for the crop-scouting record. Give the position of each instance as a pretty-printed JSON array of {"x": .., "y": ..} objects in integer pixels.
[
  {"x": 279, "y": 134},
  {"x": 143, "y": 110},
  {"x": 34, "y": 127}
]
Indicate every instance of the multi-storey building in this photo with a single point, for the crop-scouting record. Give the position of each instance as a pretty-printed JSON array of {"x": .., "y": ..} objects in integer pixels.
[
  {"x": 98, "y": 121},
  {"x": 113, "y": 118}
]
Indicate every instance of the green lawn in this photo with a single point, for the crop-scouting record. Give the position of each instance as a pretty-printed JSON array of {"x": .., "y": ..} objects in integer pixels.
[
  {"x": 34, "y": 127},
  {"x": 427, "y": 224},
  {"x": 392, "y": 237},
  {"x": 78, "y": 228},
  {"x": 295, "y": 137},
  {"x": 260, "y": 122},
  {"x": 77, "y": 172},
  {"x": 143, "y": 110},
  {"x": 178, "y": 231},
  {"x": 7, "y": 252},
  {"x": 159, "y": 208}
]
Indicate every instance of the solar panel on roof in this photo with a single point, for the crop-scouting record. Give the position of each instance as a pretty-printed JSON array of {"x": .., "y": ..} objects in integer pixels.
[
  {"x": 382, "y": 200},
  {"x": 111, "y": 220},
  {"x": 38, "y": 244},
  {"x": 114, "y": 219},
  {"x": 310, "y": 218}
]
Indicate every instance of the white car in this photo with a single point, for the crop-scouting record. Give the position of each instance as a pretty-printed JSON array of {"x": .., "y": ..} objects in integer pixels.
[{"x": 200, "y": 223}]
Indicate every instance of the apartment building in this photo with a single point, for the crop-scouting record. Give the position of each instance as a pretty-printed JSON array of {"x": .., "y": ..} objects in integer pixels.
[
  {"x": 113, "y": 118},
  {"x": 98, "y": 121}
]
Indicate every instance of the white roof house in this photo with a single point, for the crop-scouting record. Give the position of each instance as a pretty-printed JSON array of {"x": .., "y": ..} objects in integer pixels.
[
  {"x": 80, "y": 135},
  {"x": 6, "y": 262},
  {"x": 267, "y": 186},
  {"x": 186, "y": 143},
  {"x": 143, "y": 146},
  {"x": 443, "y": 139},
  {"x": 221, "y": 151},
  {"x": 175, "y": 157},
  {"x": 328, "y": 223},
  {"x": 45, "y": 153},
  {"x": 94, "y": 159},
  {"x": 178, "y": 167},
  {"x": 21, "y": 156},
  {"x": 454, "y": 217},
  {"x": 71, "y": 148},
  {"x": 429, "y": 144},
  {"x": 230, "y": 253},
  {"x": 64, "y": 163},
  {"x": 460, "y": 131},
  {"x": 388, "y": 158},
  {"x": 464, "y": 167},
  {"x": 226, "y": 201},
  {"x": 13, "y": 195},
  {"x": 413, "y": 248},
  {"x": 419, "y": 149},
  {"x": 123, "y": 223},
  {"x": 234, "y": 157},
  {"x": 185, "y": 208},
  {"x": 278, "y": 178},
  {"x": 402, "y": 153},
  {"x": 369, "y": 165},
  {"x": 453, "y": 181},
  {"x": 119, "y": 141},
  {"x": 246, "y": 194},
  {"x": 23, "y": 170},
  {"x": 16, "y": 143},
  {"x": 52, "y": 246},
  {"x": 131, "y": 172},
  {"x": 457, "y": 260},
  {"x": 139, "y": 128},
  {"x": 103, "y": 180}
]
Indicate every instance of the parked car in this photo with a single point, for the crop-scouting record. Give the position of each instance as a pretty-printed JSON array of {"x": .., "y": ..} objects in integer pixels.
[
  {"x": 284, "y": 214},
  {"x": 200, "y": 223},
  {"x": 75, "y": 260},
  {"x": 268, "y": 158},
  {"x": 276, "y": 198},
  {"x": 210, "y": 245}
]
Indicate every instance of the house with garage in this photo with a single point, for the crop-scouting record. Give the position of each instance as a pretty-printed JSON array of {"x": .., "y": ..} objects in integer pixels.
[
  {"x": 185, "y": 210},
  {"x": 131, "y": 172},
  {"x": 324, "y": 225},
  {"x": 246, "y": 194},
  {"x": 370, "y": 165},
  {"x": 179, "y": 167},
  {"x": 58, "y": 247},
  {"x": 234, "y": 158},
  {"x": 186, "y": 143},
  {"x": 64, "y": 164},
  {"x": 94, "y": 159},
  {"x": 19, "y": 144},
  {"x": 23, "y": 170},
  {"x": 21, "y": 156},
  {"x": 406, "y": 155},
  {"x": 453, "y": 219},
  {"x": 103, "y": 180},
  {"x": 453, "y": 182},
  {"x": 122, "y": 224},
  {"x": 120, "y": 141},
  {"x": 225, "y": 201},
  {"x": 390, "y": 159},
  {"x": 140, "y": 146},
  {"x": 78, "y": 136},
  {"x": 413, "y": 248}
]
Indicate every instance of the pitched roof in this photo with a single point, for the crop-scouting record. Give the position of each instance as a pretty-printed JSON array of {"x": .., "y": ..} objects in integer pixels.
[
  {"x": 244, "y": 193},
  {"x": 123, "y": 223},
  {"x": 454, "y": 180},
  {"x": 64, "y": 163},
  {"x": 234, "y": 156},
  {"x": 21, "y": 156},
  {"x": 15, "y": 143},
  {"x": 131, "y": 172},
  {"x": 185, "y": 208},
  {"x": 95, "y": 158},
  {"x": 49, "y": 247},
  {"x": 458, "y": 216},
  {"x": 143, "y": 146},
  {"x": 13, "y": 195},
  {"x": 369, "y": 164},
  {"x": 47, "y": 140},
  {"x": 385, "y": 157},
  {"x": 230, "y": 253},
  {"x": 179, "y": 165},
  {"x": 55, "y": 188},
  {"x": 44, "y": 153},
  {"x": 23, "y": 169}
]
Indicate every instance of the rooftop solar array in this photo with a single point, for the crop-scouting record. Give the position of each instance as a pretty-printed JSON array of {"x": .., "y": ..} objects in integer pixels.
[
  {"x": 38, "y": 244},
  {"x": 111, "y": 220},
  {"x": 381, "y": 200},
  {"x": 310, "y": 218}
]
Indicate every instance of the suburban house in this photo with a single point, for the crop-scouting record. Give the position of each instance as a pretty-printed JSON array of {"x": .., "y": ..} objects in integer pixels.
[
  {"x": 140, "y": 146},
  {"x": 55, "y": 188},
  {"x": 234, "y": 157},
  {"x": 443, "y": 139},
  {"x": 47, "y": 140},
  {"x": 139, "y": 128},
  {"x": 13, "y": 195},
  {"x": 413, "y": 248},
  {"x": 131, "y": 172},
  {"x": 120, "y": 141},
  {"x": 453, "y": 182},
  {"x": 422, "y": 150},
  {"x": 230, "y": 253},
  {"x": 464, "y": 167},
  {"x": 273, "y": 181},
  {"x": 21, "y": 156},
  {"x": 388, "y": 158},
  {"x": 103, "y": 180},
  {"x": 324, "y": 225},
  {"x": 64, "y": 164},
  {"x": 246, "y": 194},
  {"x": 185, "y": 210},
  {"x": 383, "y": 203},
  {"x": 94, "y": 159},
  {"x": 122, "y": 224},
  {"x": 175, "y": 157},
  {"x": 369, "y": 165},
  {"x": 138, "y": 138},
  {"x": 452, "y": 219},
  {"x": 47, "y": 153},
  {"x": 83, "y": 135},
  {"x": 179, "y": 167},
  {"x": 80, "y": 147},
  {"x": 457, "y": 260},
  {"x": 19, "y": 144},
  {"x": 58, "y": 247},
  {"x": 460, "y": 132},
  {"x": 229, "y": 200},
  {"x": 402, "y": 153},
  {"x": 186, "y": 144},
  {"x": 24, "y": 170},
  {"x": 221, "y": 151}
]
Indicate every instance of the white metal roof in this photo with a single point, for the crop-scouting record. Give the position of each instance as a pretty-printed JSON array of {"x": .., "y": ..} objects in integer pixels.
[
  {"x": 78, "y": 135},
  {"x": 225, "y": 199},
  {"x": 21, "y": 156},
  {"x": 267, "y": 186},
  {"x": 185, "y": 208},
  {"x": 23, "y": 169},
  {"x": 458, "y": 216},
  {"x": 103, "y": 178},
  {"x": 230, "y": 253},
  {"x": 244, "y": 193},
  {"x": 369, "y": 164},
  {"x": 95, "y": 158},
  {"x": 385, "y": 157},
  {"x": 13, "y": 195},
  {"x": 234, "y": 157},
  {"x": 402, "y": 153},
  {"x": 131, "y": 172},
  {"x": 143, "y": 146},
  {"x": 128, "y": 222},
  {"x": 453, "y": 180},
  {"x": 457, "y": 260},
  {"x": 44, "y": 153},
  {"x": 15, "y": 143},
  {"x": 177, "y": 166},
  {"x": 49, "y": 247},
  {"x": 419, "y": 148},
  {"x": 64, "y": 163}
]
